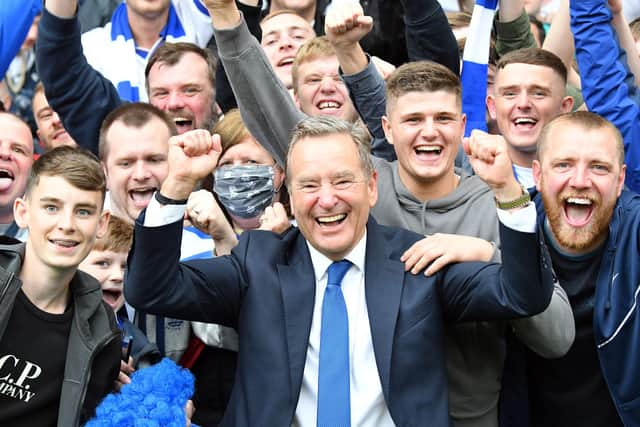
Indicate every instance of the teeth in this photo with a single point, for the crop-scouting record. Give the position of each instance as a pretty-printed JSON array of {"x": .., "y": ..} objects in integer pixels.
[
  {"x": 181, "y": 121},
  {"x": 328, "y": 104},
  {"x": 4, "y": 173},
  {"x": 428, "y": 149},
  {"x": 287, "y": 61},
  {"x": 334, "y": 218},
  {"x": 65, "y": 243},
  {"x": 577, "y": 201},
  {"x": 525, "y": 120}
]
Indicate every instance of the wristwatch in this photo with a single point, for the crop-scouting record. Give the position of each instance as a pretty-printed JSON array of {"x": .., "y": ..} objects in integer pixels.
[{"x": 519, "y": 202}]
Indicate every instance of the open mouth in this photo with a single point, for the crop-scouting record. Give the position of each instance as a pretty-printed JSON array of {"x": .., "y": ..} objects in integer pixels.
[
  {"x": 525, "y": 123},
  {"x": 6, "y": 179},
  {"x": 141, "y": 197},
  {"x": 285, "y": 62},
  {"x": 329, "y": 107},
  {"x": 428, "y": 151},
  {"x": 111, "y": 296},
  {"x": 578, "y": 211},
  {"x": 183, "y": 124},
  {"x": 330, "y": 221}
]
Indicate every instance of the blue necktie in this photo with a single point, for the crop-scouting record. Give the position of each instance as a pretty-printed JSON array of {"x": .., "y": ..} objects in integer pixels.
[{"x": 334, "y": 403}]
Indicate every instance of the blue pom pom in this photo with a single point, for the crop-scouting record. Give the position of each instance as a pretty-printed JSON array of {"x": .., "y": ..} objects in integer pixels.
[{"x": 155, "y": 397}]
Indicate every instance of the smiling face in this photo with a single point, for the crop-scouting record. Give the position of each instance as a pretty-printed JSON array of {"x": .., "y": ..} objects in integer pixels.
[
  {"x": 63, "y": 222},
  {"x": 50, "y": 130},
  {"x": 330, "y": 193},
  {"x": 184, "y": 91},
  {"x": 282, "y": 36},
  {"x": 321, "y": 91},
  {"x": 425, "y": 129},
  {"x": 526, "y": 97},
  {"x": 16, "y": 158},
  {"x": 580, "y": 184},
  {"x": 108, "y": 268},
  {"x": 135, "y": 165}
]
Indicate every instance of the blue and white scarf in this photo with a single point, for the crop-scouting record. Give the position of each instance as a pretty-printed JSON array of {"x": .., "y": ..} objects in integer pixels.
[
  {"x": 111, "y": 49},
  {"x": 474, "y": 65}
]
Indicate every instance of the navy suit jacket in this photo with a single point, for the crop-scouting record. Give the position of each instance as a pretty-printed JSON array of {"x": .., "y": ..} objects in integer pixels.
[{"x": 266, "y": 290}]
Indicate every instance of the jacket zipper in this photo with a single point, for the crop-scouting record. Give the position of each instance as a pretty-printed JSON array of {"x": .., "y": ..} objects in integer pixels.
[{"x": 85, "y": 383}]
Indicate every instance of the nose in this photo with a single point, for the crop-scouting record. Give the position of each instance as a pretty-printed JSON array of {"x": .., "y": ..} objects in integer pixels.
[
  {"x": 522, "y": 100},
  {"x": 285, "y": 42},
  {"x": 428, "y": 130},
  {"x": 67, "y": 221},
  {"x": 55, "y": 119},
  {"x": 116, "y": 273},
  {"x": 580, "y": 178},
  {"x": 5, "y": 151},
  {"x": 140, "y": 171},
  {"x": 175, "y": 101},
  {"x": 327, "y": 85},
  {"x": 326, "y": 196}
]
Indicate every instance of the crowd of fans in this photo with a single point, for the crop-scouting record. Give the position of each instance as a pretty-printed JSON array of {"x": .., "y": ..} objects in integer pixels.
[{"x": 295, "y": 201}]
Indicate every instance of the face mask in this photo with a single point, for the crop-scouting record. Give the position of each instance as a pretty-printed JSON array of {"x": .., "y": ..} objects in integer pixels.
[{"x": 245, "y": 191}]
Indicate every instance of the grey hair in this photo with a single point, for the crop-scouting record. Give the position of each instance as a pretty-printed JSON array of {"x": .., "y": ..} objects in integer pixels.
[{"x": 327, "y": 125}]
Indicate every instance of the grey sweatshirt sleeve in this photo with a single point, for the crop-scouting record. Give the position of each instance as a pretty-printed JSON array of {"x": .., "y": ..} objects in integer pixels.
[
  {"x": 265, "y": 104},
  {"x": 550, "y": 333}
]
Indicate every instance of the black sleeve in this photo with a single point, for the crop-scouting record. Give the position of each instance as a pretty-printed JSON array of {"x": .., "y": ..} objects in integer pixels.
[
  {"x": 75, "y": 90},
  {"x": 429, "y": 36}
]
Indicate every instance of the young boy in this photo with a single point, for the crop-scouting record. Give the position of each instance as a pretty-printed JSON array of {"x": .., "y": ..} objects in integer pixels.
[
  {"x": 59, "y": 343},
  {"x": 107, "y": 262}
]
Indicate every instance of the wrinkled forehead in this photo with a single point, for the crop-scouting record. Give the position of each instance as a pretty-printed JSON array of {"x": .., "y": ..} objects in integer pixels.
[
  {"x": 596, "y": 145},
  {"x": 285, "y": 23},
  {"x": 14, "y": 129}
]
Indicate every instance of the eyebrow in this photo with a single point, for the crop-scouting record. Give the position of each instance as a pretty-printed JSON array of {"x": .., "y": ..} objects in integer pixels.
[{"x": 56, "y": 200}]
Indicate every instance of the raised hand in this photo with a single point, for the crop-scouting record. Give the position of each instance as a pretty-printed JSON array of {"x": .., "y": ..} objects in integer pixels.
[
  {"x": 206, "y": 215},
  {"x": 440, "y": 250},
  {"x": 192, "y": 156},
  {"x": 345, "y": 24},
  {"x": 615, "y": 6},
  {"x": 491, "y": 162},
  {"x": 275, "y": 219}
]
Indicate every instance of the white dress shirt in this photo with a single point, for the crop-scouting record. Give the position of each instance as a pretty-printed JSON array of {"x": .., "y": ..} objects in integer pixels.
[{"x": 368, "y": 407}]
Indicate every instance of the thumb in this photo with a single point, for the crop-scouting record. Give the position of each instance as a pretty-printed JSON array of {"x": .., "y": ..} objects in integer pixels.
[
  {"x": 365, "y": 21},
  {"x": 465, "y": 145}
]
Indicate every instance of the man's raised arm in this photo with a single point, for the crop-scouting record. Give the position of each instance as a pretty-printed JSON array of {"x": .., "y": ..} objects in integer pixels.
[
  {"x": 78, "y": 93},
  {"x": 265, "y": 104}
]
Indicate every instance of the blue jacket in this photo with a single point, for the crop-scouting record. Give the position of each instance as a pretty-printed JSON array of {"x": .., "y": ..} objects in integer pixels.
[
  {"x": 15, "y": 20},
  {"x": 608, "y": 86},
  {"x": 616, "y": 317}
]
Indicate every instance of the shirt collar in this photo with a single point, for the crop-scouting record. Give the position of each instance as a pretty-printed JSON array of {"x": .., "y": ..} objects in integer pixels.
[{"x": 321, "y": 263}]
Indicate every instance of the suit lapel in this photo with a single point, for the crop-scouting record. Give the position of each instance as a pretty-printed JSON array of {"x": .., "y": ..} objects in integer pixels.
[
  {"x": 384, "y": 278},
  {"x": 297, "y": 281}
]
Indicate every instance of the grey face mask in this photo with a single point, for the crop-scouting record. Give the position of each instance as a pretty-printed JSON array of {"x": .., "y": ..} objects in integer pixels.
[{"x": 245, "y": 190}]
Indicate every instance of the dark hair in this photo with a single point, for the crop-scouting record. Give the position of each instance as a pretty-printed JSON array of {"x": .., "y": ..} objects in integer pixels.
[
  {"x": 172, "y": 53},
  {"x": 422, "y": 76},
  {"x": 134, "y": 115},
  {"x": 77, "y": 166},
  {"x": 534, "y": 56}
]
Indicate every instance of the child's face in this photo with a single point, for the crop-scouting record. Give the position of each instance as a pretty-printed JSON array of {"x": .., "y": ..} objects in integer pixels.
[{"x": 108, "y": 267}]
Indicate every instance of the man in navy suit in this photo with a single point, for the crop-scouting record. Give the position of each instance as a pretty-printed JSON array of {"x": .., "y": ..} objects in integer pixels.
[{"x": 273, "y": 288}]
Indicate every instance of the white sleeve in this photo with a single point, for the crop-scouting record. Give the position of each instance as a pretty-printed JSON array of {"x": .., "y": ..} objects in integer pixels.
[
  {"x": 158, "y": 215},
  {"x": 523, "y": 220}
]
